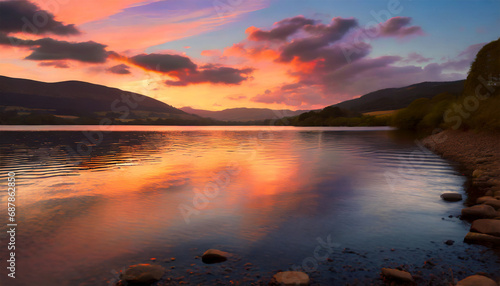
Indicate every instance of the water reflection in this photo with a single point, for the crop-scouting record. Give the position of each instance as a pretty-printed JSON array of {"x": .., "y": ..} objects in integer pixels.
[{"x": 268, "y": 193}]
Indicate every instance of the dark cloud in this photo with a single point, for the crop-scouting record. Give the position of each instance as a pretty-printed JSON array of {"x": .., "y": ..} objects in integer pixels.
[
  {"x": 334, "y": 57},
  {"x": 186, "y": 72},
  {"x": 312, "y": 39},
  {"x": 6, "y": 40},
  {"x": 56, "y": 64},
  {"x": 50, "y": 49},
  {"x": 212, "y": 74},
  {"x": 119, "y": 69},
  {"x": 26, "y": 17},
  {"x": 163, "y": 63},
  {"x": 397, "y": 27},
  {"x": 320, "y": 37},
  {"x": 282, "y": 29}
]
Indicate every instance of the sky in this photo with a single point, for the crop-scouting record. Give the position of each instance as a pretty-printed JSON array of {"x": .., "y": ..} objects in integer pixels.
[{"x": 218, "y": 54}]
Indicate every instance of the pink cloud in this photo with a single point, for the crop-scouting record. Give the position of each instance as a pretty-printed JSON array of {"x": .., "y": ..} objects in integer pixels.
[
  {"x": 399, "y": 27},
  {"x": 79, "y": 12},
  {"x": 56, "y": 64},
  {"x": 155, "y": 27}
]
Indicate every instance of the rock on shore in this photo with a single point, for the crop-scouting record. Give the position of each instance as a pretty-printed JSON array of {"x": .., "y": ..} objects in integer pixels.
[
  {"x": 479, "y": 211},
  {"x": 476, "y": 280},
  {"x": 290, "y": 278},
  {"x": 398, "y": 275},
  {"x": 494, "y": 203},
  {"x": 486, "y": 226},
  {"x": 481, "y": 238},
  {"x": 483, "y": 199}
]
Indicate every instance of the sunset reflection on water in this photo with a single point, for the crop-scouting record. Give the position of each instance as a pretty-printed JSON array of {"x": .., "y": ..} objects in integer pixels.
[{"x": 137, "y": 196}]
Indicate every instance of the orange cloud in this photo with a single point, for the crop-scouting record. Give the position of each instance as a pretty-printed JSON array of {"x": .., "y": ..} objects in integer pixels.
[{"x": 255, "y": 53}]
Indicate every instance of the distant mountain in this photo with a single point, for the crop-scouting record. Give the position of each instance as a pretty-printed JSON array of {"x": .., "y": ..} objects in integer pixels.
[
  {"x": 397, "y": 98},
  {"x": 243, "y": 114},
  {"x": 76, "y": 98},
  {"x": 350, "y": 112}
]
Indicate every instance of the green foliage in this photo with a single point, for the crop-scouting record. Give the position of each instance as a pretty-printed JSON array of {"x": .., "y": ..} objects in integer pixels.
[
  {"x": 447, "y": 111},
  {"x": 486, "y": 65},
  {"x": 424, "y": 114},
  {"x": 13, "y": 118},
  {"x": 334, "y": 116},
  {"x": 486, "y": 117},
  {"x": 409, "y": 118}
]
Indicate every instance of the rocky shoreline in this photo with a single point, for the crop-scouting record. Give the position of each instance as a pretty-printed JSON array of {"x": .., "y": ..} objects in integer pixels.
[{"x": 478, "y": 158}]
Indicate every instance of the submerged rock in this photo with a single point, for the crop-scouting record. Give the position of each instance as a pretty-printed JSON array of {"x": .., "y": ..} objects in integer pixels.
[
  {"x": 451, "y": 197},
  {"x": 395, "y": 274},
  {"x": 481, "y": 238},
  {"x": 486, "y": 226},
  {"x": 290, "y": 278},
  {"x": 479, "y": 211},
  {"x": 143, "y": 274},
  {"x": 476, "y": 280},
  {"x": 214, "y": 256},
  {"x": 449, "y": 242}
]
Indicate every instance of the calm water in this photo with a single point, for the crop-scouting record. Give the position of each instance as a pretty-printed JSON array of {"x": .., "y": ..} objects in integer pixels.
[{"x": 272, "y": 197}]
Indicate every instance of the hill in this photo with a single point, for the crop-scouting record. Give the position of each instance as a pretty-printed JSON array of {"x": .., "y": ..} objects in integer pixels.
[
  {"x": 80, "y": 99},
  {"x": 243, "y": 114},
  {"x": 374, "y": 108},
  {"x": 397, "y": 98}
]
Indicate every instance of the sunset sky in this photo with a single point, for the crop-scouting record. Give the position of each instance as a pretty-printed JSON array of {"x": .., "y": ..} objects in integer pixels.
[{"x": 221, "y": 54}]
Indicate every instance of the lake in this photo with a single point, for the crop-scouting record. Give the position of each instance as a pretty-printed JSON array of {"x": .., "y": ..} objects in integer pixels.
[{"x": 338, "y": 203}]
